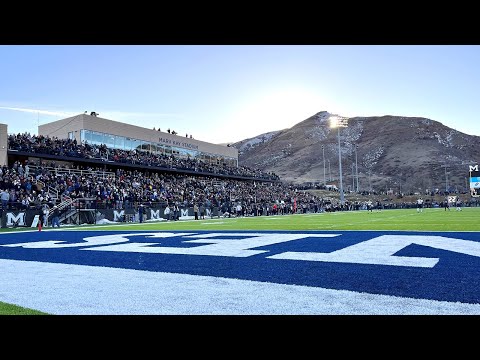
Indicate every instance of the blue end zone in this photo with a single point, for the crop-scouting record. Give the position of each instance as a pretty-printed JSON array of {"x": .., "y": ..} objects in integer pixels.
[{"x": 455, "y": 277}]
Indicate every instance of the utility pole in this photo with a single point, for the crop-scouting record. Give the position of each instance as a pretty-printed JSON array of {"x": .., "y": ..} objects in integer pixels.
[
  {"x": 356, "y": 166},
  {"x": 369, "y": 180},
  {"x": 353, "y": 177},
  {"x": 446, "y": 178},
  {"x": 324, "y": 174}
]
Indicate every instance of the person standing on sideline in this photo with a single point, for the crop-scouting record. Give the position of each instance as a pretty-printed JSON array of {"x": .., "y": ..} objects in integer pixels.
[
  {"x": 419, "y": 205},
  {"x": 45, "y": 211},
  {"x": 370, "y": 206},
  {"x": 140, "y": 213},
  {"x": 195, "y": 211},
  {"x": 40, "y": 218},
  {"x": 55, "y": 217},
  {"x": 176, "y": 211},
  {"x": 167, "y": 212},
  {"x": 446, "y": 204},
  {"x": 459, "y": 204},
  {"x": 5, "y": 196}
]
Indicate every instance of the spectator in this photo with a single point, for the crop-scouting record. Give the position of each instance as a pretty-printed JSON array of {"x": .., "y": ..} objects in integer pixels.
[
  {"x": 167, "y": 212},
  {"x": 141, "y": 211},
  {"x": 45, "y": 211},
  {"x": 5, "y": 197},
  {"x": 55, "y": 217},
  {"x": 40, "y": 218},
  {"x": 195, "y": 211}
]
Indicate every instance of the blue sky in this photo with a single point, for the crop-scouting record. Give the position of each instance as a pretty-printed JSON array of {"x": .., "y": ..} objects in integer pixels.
[{"x": 227, "y": 93}]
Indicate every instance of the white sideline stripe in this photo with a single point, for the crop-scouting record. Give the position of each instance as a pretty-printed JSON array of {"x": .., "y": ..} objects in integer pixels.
[{"x": 81, "y": 290}]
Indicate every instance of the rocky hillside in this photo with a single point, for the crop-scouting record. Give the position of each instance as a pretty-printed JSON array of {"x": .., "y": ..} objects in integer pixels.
[{"x": 400, "y": 153}]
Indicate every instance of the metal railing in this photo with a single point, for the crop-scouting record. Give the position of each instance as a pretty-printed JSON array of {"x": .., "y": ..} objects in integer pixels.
[{"x": 80, "y": 172}]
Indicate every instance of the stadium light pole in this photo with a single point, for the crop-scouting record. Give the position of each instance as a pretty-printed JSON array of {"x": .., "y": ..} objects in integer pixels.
[
  {"x": 400, "y": 184},
  {"x": 329, "y": 171},
  {"x": 356, "y": 166},
  {"x": 324, "y": 173},
  {"x": 353, "y": 176},
  {"x": 369, "y": 180},
  {"x": 338, "y": 122},
  {"x": 446, "y": 179},
  {"x": 469, "y": 183}
]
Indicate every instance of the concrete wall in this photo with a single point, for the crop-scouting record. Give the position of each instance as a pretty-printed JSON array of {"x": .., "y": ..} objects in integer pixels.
[
  {"x": 61, "y": 128},
  {"x": 3, "y": 144}
]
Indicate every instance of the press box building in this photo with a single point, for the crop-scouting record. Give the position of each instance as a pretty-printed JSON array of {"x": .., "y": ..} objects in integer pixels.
[{"x": 114, "y": 134}]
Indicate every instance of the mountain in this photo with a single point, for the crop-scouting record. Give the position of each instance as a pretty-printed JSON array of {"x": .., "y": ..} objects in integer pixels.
[{"x": 406, "y": 154}]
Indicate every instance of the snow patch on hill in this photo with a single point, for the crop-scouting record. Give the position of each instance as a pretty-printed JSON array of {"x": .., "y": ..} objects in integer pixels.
[{"x": 257, "y": 140}]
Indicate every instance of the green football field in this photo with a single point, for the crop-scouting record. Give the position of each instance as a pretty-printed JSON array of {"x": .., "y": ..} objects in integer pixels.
[
  {"x": 404, "y": 219},
  {"x": 436, "y": 219}
]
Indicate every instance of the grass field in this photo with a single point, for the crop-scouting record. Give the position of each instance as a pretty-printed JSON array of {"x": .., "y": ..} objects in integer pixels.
[
  {"x": 8, "y": 309},
  {"x": 402, "y": 219},
  {"x": 405, "y": 220}
]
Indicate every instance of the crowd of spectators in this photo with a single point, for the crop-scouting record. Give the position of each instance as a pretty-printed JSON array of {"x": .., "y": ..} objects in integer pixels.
[
  {"x": 68, "y": 148},
  {"x": 31, "y": 185}
]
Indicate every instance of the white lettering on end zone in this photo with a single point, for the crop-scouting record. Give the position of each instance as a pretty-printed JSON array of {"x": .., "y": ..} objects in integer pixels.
[
  {"x": 381, "y": 250},
  {"x": 219, "y": 246},
  {"x": 89, "y": 241},
  {"x": 377, "y": 251}
]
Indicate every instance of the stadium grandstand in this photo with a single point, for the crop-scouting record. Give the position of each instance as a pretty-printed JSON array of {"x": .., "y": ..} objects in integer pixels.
[
  {"x": 92, "y": 175},
  {"x": 79, "y": 165}
]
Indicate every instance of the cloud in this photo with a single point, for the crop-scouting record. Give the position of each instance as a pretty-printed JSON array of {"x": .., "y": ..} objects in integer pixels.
[
  {"x": 38, "y": 111},
  {"x": 112, "y": 115}
]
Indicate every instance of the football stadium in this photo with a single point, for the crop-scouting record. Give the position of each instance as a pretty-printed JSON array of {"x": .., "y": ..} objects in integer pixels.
[{"x": 105, "y": 218}]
